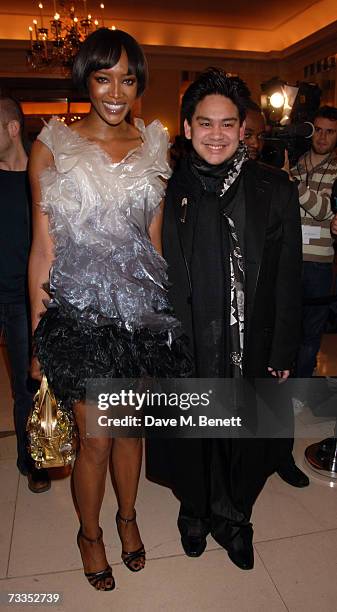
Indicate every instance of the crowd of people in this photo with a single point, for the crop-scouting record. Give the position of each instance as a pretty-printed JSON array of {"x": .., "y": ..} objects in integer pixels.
[{"x": 137, "y": 271}]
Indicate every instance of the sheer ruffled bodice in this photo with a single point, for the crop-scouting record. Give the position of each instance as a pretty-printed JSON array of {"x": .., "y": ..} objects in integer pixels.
[{"x": 99, "y": 214}]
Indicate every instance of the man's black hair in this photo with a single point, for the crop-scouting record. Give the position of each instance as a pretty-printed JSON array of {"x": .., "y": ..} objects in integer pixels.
[
  {"x": 103, "y": 49},
  {"x": 327, "y": 112},
  {"x": 215, "y": 81}
]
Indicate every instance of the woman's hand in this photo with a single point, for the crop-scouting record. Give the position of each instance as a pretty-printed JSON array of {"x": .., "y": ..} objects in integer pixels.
[{"x": 35, "y": 369}]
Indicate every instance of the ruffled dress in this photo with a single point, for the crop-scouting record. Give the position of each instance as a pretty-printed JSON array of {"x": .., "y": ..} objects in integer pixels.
[{"x": 109, "y": 314}]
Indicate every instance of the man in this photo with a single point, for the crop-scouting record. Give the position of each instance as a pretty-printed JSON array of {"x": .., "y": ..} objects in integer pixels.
[
  {"x": 255, "y": 129},
  {"x": 315, "y": 173},
  {"x": 232, "y": 240},
  {"x": 14, "y": 249},
  {"x": 254, "y": 139}
]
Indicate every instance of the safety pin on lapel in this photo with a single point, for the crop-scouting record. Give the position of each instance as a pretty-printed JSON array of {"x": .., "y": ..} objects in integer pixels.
[{"x": 183, "y": 205}]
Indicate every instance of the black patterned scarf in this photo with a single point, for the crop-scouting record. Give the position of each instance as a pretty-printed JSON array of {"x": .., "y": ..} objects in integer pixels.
[
  {"x": 217, "y": 267},
  {"x": 219, "y": 178}
]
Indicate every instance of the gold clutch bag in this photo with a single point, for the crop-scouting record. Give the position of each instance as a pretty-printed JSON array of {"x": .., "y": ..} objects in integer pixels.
[{"x": 51, "y": 430}]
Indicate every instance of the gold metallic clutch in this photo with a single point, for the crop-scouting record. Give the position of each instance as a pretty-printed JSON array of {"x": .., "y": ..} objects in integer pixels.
[{"x": 51, "y": 430}]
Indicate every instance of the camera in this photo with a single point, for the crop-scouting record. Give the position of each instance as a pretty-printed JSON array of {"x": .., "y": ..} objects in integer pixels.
[{"x": 292, "y": 137}]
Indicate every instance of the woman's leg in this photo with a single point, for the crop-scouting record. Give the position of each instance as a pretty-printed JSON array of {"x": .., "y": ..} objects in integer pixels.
[
  {"x": 89, "y": 475},
  {"x": 126, "y": 459}
]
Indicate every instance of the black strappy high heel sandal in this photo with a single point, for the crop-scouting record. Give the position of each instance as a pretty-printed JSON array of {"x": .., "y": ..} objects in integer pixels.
[
  {"x": 95, "y": 577},
  {"x": 131, "y": 558}
]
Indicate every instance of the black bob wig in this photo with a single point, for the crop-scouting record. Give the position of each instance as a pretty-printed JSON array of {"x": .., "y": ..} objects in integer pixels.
[{"x": 102, "y": 49}]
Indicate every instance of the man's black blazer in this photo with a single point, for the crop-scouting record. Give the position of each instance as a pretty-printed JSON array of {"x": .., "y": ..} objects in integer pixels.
[{"x": 272, "y": 255}]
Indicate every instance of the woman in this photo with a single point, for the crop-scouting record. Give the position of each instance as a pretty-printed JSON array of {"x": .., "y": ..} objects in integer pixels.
[{"x": 97, "y": 189}]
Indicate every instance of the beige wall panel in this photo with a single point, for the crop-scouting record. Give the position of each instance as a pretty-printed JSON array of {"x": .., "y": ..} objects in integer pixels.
[{"x": 161, "y": 100}]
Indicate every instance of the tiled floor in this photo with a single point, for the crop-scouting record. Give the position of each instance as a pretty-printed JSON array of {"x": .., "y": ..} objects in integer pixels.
[{"x": 295, "y": 545}]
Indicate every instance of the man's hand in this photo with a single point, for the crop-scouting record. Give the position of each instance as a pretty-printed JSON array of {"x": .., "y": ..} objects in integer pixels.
[
  {"x": 333, "y": 225},
  {"x": 286, "y": 163},
  {"x": 281, "y": 374}
]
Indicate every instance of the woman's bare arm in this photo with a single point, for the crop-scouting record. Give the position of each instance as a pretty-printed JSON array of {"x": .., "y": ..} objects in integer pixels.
[
  {"x": 42, "y": 251},
  {"x": 155, "y": 229}
]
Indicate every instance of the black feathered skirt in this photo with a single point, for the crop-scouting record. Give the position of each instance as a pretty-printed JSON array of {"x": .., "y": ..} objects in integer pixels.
[{"x": 71, "y": 351}]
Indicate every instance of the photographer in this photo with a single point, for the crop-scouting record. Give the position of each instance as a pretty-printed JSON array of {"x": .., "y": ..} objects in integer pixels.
[{"x": 315, "y": 173}]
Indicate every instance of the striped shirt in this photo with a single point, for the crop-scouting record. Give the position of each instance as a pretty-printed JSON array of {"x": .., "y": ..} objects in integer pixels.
[{"x": 314, "y": 187}]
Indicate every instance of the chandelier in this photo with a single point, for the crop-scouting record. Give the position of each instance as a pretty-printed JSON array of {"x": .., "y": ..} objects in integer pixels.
[{"x": 56, "y": 46}]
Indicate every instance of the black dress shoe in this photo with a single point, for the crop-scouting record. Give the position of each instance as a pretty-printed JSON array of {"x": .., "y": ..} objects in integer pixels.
[
  {"x": 291, "y": 474},
  {"x": 38, "y": 480},
  {"x": 240, "y": 548},
  {"x": 237, "y": 540},
  {"x": 193, "y": 546},
  {"x": 193, "y": 533}
]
